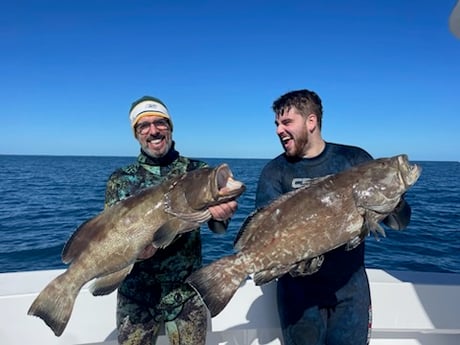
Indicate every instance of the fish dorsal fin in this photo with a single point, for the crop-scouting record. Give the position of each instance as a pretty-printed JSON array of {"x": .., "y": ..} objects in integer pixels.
[
  {"x": 165, "y": 235},
  {"x": 80, "y": 238},
  {"x": 236, "y": 242},
  {"x": 240, "y": 238},
  {"x": 313, "y": 181},
  {"x": 91, "y": 231}
]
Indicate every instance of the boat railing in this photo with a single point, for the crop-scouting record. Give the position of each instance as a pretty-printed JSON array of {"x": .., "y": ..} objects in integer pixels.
[{"x": 408, "y": 308}]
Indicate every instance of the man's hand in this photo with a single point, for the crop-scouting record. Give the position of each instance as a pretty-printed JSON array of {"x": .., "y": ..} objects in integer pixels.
[{"x": 223, "y": 211}]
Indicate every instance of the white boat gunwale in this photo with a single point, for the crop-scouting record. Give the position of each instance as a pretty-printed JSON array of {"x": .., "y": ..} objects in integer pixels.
[{"x": 408, "y": 308}]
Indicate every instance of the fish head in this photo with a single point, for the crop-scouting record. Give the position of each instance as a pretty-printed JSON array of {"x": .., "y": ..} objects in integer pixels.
[
  {"x": 381, "y": 183},
  {"x": 208, "y": 186}
]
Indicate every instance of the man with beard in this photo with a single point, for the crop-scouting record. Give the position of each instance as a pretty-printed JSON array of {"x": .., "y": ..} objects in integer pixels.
[
  {"x": 154, "y": 293},
  {"x": 325, "y": 300}
]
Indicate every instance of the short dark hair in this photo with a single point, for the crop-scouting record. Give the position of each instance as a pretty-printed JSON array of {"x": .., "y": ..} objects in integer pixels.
[{"x": 305, "y": 101}]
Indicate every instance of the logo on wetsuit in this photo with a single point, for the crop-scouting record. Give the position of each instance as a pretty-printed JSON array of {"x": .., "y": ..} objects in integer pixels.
[{"x": 299, "y": 182}]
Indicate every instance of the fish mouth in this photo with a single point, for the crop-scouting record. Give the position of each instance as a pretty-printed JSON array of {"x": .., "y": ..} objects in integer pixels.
[
  {"x": 410, "y": 173},
  {"x": 227, "y": 187}
]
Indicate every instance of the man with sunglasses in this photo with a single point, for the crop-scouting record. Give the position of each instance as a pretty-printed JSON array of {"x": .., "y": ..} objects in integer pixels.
[{"x": 154, "y": 293}]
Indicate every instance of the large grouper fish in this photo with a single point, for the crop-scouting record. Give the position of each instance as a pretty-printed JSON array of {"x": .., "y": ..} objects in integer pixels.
[
  {"x": 107, "y": 246},
  {"x": 305, "y": 223}
]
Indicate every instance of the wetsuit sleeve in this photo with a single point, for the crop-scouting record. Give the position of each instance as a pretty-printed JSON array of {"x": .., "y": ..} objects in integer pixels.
[
  {"x": 400, "y": 217},
  {"x": 217, "y": 226}
]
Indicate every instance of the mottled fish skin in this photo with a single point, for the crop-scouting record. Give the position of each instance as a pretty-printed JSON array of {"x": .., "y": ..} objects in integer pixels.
[
  {"x": 107, "y": 245},
  {"x": 305, "y": 223}
]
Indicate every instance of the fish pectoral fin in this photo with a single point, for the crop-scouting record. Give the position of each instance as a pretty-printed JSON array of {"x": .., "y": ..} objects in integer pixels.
[
  {"x": 107, "y": 284},
  {"x": 165, "y": 235},
  {"x": 264, "y": 277},
  {"x": 372, "y": 225},
  {"x": 307, "y": 267},
  {"x": 376, "y": 229}
]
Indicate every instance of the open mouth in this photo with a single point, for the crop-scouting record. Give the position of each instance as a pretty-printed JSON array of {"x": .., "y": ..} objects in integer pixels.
[
  {"x": 410, "y": 172},
  {"x": 285, "y": 141},
  {"x": 155, "y": 140}
]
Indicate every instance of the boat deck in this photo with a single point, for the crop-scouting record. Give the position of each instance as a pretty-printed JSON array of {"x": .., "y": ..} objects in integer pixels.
[{"x": 409, "y": 308}]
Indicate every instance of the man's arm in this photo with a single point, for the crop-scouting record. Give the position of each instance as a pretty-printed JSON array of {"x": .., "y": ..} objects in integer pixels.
[
  {"x": 221, "y": 215},
  {"x": 218, "y": 226}
]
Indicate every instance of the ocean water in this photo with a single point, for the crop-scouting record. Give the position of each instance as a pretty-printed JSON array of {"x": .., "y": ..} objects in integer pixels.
[{"x": 43, "y": 199}]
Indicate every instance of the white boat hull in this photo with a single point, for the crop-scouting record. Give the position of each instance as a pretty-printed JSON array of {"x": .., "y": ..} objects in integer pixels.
[{"x": 409, "y": 308}]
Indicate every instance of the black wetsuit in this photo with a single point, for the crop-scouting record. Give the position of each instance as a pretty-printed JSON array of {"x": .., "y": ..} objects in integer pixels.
[{"x": 331, "y": 306}]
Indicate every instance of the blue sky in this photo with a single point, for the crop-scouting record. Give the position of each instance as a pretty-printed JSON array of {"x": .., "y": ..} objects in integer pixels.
[{"x": 388, "y": 73}]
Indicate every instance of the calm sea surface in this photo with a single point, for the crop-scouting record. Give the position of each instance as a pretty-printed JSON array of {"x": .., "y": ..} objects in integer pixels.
[{"x": 44, "y": 198}]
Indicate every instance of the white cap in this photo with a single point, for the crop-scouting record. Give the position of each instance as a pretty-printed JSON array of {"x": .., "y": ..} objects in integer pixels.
[{"x": 148, "y": 106}]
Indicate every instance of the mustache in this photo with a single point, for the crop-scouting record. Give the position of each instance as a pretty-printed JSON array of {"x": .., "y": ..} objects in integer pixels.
[{"x": 155, "y": 137}]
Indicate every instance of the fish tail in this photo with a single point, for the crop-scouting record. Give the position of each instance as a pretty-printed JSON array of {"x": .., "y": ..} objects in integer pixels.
[
  {"x": 217, "y": 282},
  {"x": 54, "y": 304}
]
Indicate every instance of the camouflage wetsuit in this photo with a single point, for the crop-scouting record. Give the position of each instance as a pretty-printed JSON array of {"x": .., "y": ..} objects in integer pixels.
[
  {"x": 331, "y": 306},
  {"x": 154, "y": 292}
]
